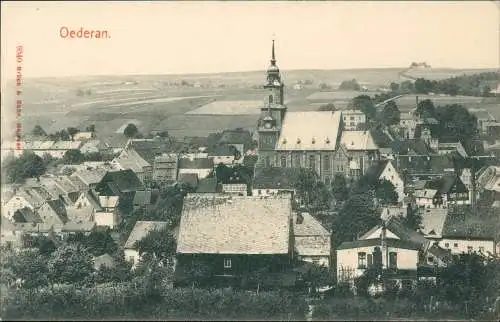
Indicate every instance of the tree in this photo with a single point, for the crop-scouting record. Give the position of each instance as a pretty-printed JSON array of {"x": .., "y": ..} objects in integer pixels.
[
  {"x": 100, "y": 242},
  {"x": 73, "y": 156},
  {"x": 28, "y": 165},
  {"x": 131, "y": 130},
  {"x": 394, "y": 87},
  {"x": 365, "y": 104},
  {"x": 339, "y": 187},
  {"x": 349, "y": 85},
  {"x": 159, "y": 244},
  {"x": 30, "y": 267},
  {"x": 406, "y": 86},
  {"x": 386, "y": 192},
  {"x": 38, "y": 131},
  {"x": 328, "y": 107},
  {"x": 223, "y": 173},
  {"x": 71, "y": 264},
  {"x": 426, "y": 109},
  {"x": 424, "y": 86},
  {"x": 413, "y": 219},
  {"x": 390, "y": 114},
  {"x": 304, "y": 182},
  {"x": 72, "y": 131},
  {"x": 356, "y": 216}
]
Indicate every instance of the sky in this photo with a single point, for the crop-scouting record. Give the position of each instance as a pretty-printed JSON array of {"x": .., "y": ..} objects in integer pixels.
[{"x": 193, "y": 37}]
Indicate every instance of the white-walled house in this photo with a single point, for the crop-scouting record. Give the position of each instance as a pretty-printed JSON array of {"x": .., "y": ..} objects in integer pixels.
[
  {"x": 140, "y": 230},
  {"x": 273, "y": 181},
  {"x": 201, "y": 167},
  {"x": 311, "y": 240},
  {"x": 465, "y": 232},
  {"x": 390, "y": 246},
  {"x": 385, "y": 170}
]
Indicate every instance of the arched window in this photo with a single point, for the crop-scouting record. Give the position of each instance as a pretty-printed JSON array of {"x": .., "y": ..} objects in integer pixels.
[
  {"x": 270, "y": 98},
  {"x": 283, "y": 161},
  {"x": 312, "y": 162},
  {"x": 326, "y": 163}
]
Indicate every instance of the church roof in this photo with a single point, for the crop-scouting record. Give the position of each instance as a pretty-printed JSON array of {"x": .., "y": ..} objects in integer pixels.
[
  {"x": 358, "y": 141},
  {"x": 316, "y": 130}
]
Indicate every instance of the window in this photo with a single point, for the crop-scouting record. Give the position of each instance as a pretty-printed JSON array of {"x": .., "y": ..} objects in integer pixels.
[
  {"x": 361, "y": 260},
  {"x": 312, "y": 162},
  {"x": 481, "y": 249},
  {"x": 469, "y": 249},
  {"x": 270, "y": 98},
  {"x": 227, "y": 263},
  {"x": 326, "y": 163},
  {"x": 447, "y": 245},
  {"x": 455, "y": 245},
  {"x": 430, "y": 259},
  {"x": 283, "y": 161},
  {"x": 352, "y": 118},
  {"x": 393, "y": 260},
  {"x": 296, "y": 160},
  {"x": 268, "y": 161},
  {"x": 260, "y": 191},
  {"x": 131, "y": 259},
  {"x": 369, "y": 258}
]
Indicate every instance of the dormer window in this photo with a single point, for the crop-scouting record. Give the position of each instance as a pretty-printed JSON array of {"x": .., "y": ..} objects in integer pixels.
[
  {"x": 284, "y": 141},
  {"x": 327, "y": 141},
  {"x": 313, "y": 141},
  {"x": 298, "y": 141}
]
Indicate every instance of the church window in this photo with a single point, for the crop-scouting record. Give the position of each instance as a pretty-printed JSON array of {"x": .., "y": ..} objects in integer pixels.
[
  {"x": 283, "y": 161},
  {"x": 326, "y": 163},
  {"x": 268, "y": 161},
  {"x": 312, "y": 162},
  {"x": 296, "y": 161}
]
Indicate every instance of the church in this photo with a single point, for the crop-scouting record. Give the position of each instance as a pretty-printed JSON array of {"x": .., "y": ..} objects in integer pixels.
[{"x": 309, "y": 139}]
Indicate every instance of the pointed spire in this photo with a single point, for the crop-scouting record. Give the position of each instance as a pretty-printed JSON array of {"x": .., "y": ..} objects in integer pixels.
[{"x": 273, "y": 56}]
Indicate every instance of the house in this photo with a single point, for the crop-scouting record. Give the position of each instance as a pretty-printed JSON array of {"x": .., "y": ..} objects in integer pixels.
[
  {"x": 464, "y": 231},
  {"x": 59, "y": 148},
  {"x": 450, "y": 190},
  {"x": 92, "y": 146},
  {"x": 426, "y": 198},
  {"x": 114, "y": 144},
  {"x": 26, "y": 215},
  {"x": 390, "y": 246},
  {"x": 225, "y": 154},
  {"x": 105, "y": 260},
  {"x": 83, "y": 136},
  {"x": 237, "y": 137},
  {"x": 386, "y": 213},
  {"x": 234, "y": 237},
  {"x": 351, "y": 119},
  {"x": 361, "y": 151},
  {"x": 70, "y": 190},
  {"x": 53, "y": 212},
  {"x": 142, "y": 199},
  {"x": 484, "y": 118},
  {"x": 385, "y": 170},
  {"x": 199, "y": 166},
  {"x": 407, "y": 125},
  {"x": 130, "y": 159},
  {"x": 165, "y": 168},
  {"x": 87, "y": 179},
  {"x": 433, "y": 222},
  {"x": 107, "y": 215},
  {"x": 311, "y": 240},
  {"x": 449, "y": 147},
  {"x": 140, "y": 230},
  {"x": 209, "y": 185},
  {"x": 274, "y": 181},
  {"x": 122, "y": 183}
]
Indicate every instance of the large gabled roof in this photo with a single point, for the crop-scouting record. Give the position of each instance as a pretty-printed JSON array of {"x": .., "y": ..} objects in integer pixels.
[
  {"x": 220, "y": 224},
  {"x": 358, "y": 141},
  {"x": 120, "y": 182},
  {"x": 309, "y": 131}
]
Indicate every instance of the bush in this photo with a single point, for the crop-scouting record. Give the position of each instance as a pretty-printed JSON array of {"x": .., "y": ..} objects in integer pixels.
[{"x": 131, "y": 300}]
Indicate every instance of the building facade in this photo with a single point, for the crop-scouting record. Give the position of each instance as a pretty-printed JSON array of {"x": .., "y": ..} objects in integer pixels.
[{"x": 303, "y": 139}]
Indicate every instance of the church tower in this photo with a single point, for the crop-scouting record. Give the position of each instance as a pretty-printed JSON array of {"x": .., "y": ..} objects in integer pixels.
[{"x": 272, "y": 113}]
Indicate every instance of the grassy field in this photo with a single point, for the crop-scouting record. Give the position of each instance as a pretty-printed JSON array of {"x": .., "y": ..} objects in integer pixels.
[{"x": 156, "y": 102}]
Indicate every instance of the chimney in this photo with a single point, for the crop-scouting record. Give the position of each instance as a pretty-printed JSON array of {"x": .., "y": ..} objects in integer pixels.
[{"x": 383, "y": 245}]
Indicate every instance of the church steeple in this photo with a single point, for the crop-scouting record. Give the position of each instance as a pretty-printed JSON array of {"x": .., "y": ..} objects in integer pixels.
[{"x": 273, "y": 57}]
